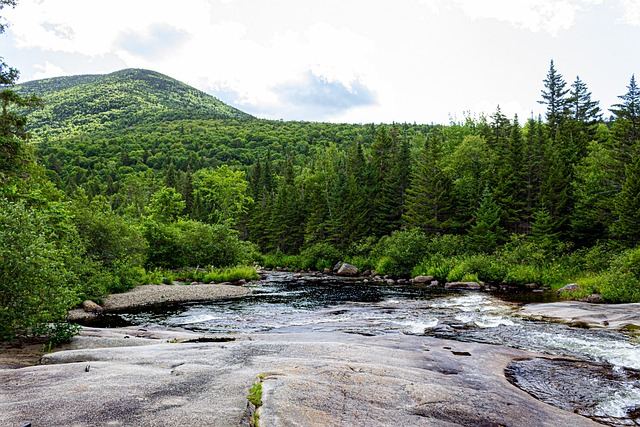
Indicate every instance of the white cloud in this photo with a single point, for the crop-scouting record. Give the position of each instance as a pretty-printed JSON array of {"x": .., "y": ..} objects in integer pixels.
[
  {"x": 550, "y": 16},
  {"x": 48, "y": 70},
  {"x": 631, "y": 10}
]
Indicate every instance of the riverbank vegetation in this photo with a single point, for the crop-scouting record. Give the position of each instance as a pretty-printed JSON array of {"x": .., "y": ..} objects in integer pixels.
[{"x": 106, "y": 198}]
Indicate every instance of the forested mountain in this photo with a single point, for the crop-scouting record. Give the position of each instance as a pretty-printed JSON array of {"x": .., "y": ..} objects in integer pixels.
[
  {"x": 90, "y": 103},
  {"x": 136, "y": 175}
]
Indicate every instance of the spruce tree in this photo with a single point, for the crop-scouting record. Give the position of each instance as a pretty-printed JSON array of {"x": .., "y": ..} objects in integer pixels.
[
  {"x": 554, "y": 96},
  {"x": 626, "y": 226},
  {"x": 429, "y": 203},
  {"x": 485, "y": 233}
]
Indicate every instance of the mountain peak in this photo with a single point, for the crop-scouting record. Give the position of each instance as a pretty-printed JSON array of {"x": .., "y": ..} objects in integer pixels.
[{"x": 120, "y": 99}]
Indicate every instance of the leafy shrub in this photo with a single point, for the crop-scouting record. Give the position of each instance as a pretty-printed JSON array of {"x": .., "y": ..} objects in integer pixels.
[
  {"x": 231, "y": 274},
  {"x": 362, "y": 262},
  {"x": 398, "y": 253},
  {"x": 436, "y": 265},
  {"x": 58, "y": 333},
  {"x": 191, "y": 243},
  {"x": 619, "y": 288},
  {"x": 520, "y": 250},
  {"x": 36, "y": 284},
  {"x": 522, "y": 274},
  {"x": 447, "y": 245},
  {"x": 319, "y": 256}
]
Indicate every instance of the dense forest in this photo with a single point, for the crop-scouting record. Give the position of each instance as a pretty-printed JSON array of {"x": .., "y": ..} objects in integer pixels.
[{"x": 108, "y": 181}]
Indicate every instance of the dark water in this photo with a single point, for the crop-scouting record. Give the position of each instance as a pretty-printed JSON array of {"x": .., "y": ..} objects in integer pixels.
[{"x": 284, "y": 303}]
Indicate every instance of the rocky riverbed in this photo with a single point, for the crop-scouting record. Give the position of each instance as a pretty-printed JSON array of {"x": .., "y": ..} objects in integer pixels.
[{"x": 148, "y": 377}]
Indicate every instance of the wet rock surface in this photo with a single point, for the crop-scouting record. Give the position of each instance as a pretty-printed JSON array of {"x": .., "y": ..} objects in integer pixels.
[
  {"x": 615, "y": 316},
  {"x": 310, "y": 379},
  {"x": 580, "y": 387}
]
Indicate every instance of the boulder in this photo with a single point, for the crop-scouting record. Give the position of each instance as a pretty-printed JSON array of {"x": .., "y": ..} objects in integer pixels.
[
  {"x": 91, "y": 307},
  {"x": 422, "y": 280},
  {"x": 463, "y": 286},
  {"x": 594, "y": 298},
  {"x": 337, "y": 266},
  {"x": 347, "y": 270},
  {"x": 570, "y": 288}
]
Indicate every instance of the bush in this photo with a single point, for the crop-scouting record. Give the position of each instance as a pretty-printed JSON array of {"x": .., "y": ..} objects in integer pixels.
[
  {"x": 231, "y": 274},
  {"x": 36, "y": 284},
  {"x": 58, "y": 333},
  {"x": 522, "y": 274},
  {"x": 436, "y": 265},
  {"x": 189, "y": 243},
  {"x": 320, "y": 256},
  {"x": 620, "y": 288},
  {"x": 400, "y": 252}
]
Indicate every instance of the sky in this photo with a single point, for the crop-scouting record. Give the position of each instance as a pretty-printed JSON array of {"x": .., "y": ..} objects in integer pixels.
[{"x": 354, "y": 61}]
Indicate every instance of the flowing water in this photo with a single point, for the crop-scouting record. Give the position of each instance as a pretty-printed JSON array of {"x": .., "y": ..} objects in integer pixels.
[{"x": 599, "y": 375}]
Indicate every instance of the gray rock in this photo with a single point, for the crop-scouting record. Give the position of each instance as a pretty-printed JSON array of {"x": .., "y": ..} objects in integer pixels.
[
  {"x": 594, "y": 298},
  {"x": 421, "y": 280},
  {"x": 347, "y": 270},
  {"x": 337, "y": 266},
  {"x": 614, "y": 316},
  {"x": 91, "y": 307},
  {"x": 310, "y": 379},
  {"x": 570, "y": 288},
  {"x": 463, "y": 286}
]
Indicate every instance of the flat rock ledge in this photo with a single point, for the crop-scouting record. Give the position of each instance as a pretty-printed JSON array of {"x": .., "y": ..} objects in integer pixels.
[
  {"x": 168, "y": 378},
  {"x": 576, "y": 313},
  {"x": 159, "y": 294}
]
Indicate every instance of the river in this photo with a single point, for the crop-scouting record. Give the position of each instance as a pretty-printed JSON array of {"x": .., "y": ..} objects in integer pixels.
[{"x": 599, "y": 376}]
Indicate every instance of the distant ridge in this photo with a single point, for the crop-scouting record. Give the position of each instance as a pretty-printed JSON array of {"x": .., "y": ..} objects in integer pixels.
[{"x": 118, "y": 100}]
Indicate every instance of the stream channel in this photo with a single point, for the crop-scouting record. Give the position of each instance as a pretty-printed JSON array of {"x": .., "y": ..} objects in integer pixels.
[{"x": 598, "y": 375}]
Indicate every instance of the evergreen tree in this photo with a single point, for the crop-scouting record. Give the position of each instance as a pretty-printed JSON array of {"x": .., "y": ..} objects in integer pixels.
[
  {"x": 580, "y": 105},
  {"x": 429, "y": 203},
  {"x": 542, "y": 230},
  {"x": 387, "y": 207},
  {"x": 554, "y": 97},
  {"x": 626, "y": 227},
  {"x": 584, "y": 117},
  {"x": 627, "y": 126},
  {"x": 485, "y": 233}
]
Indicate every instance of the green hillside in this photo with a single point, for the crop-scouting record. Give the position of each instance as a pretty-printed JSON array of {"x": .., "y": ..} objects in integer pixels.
[{"x": 90, "y": 103}]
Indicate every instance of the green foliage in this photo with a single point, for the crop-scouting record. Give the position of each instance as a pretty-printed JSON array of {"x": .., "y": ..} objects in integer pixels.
[
  {"x": 435, "y": 265},
  {"x": 36, "y": 283},
  {"x": 166, "y": 205},
  {"x": 189, "y": 243},
  {"x": 118, "y": 100},
  {"x": 58, "y": 333},
  {"x": 231, "y": 274},
  {"x": 398, "y": 253},
  {"x": 320, "y": 256},
  {"x": 109, "y": 239},
  {"x": 486, "y": 233}
]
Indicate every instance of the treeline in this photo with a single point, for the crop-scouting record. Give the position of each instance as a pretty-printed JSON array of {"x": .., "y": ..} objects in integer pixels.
[{"x": 547, "y": 200}]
